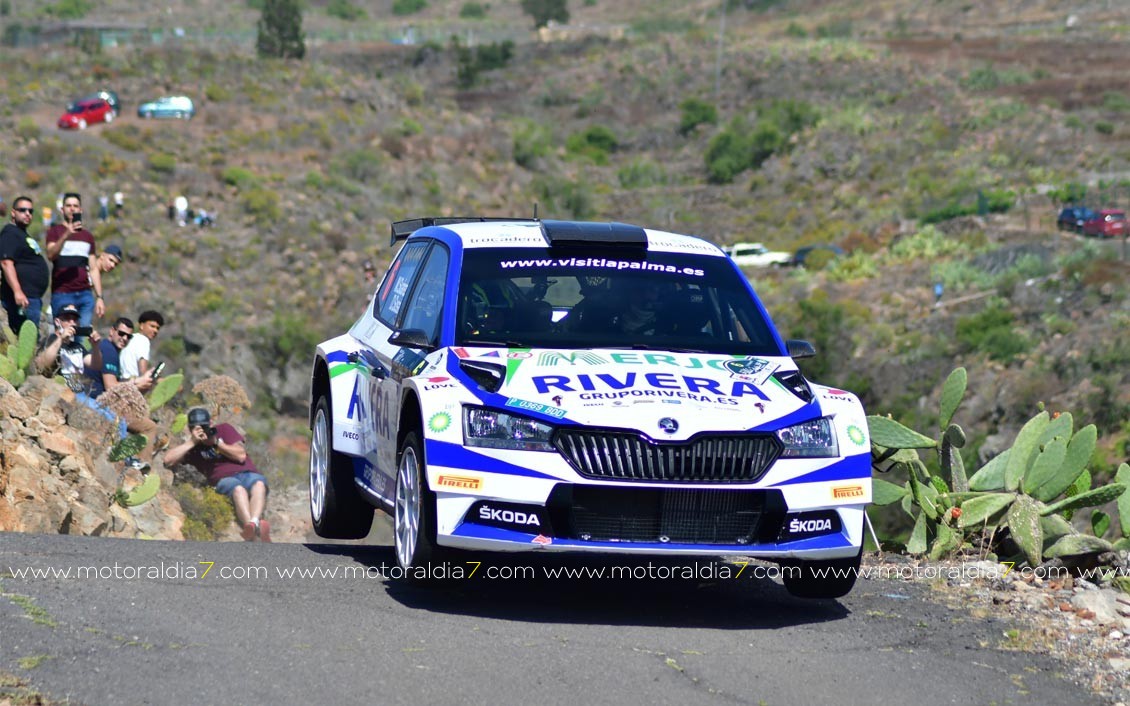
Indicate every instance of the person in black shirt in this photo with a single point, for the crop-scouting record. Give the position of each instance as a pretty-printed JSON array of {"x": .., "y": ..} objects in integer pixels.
[{"x": 25, "y": 271}]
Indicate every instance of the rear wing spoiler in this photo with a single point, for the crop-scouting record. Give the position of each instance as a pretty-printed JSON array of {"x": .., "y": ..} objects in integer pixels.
[{"x": 402, "y": 229}]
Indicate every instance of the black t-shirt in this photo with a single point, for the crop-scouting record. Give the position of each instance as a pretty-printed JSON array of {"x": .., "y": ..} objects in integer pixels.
[{"x": 31, "y": 267}]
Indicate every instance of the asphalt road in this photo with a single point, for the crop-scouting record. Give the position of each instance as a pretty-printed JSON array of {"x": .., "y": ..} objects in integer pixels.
[{"x": 245, "y": 633}]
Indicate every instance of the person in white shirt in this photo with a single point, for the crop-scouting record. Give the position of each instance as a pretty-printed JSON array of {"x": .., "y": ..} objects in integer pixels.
[{"x": 136, "y": 358}]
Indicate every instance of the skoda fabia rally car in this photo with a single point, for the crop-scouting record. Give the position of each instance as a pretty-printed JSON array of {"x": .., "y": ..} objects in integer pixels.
[{"x": 535, "y": 385}]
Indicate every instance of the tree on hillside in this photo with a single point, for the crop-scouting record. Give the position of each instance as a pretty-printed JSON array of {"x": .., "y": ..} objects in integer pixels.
[
  {"x": 545, "y": 10},
  {"x": 280, "y": 30}
]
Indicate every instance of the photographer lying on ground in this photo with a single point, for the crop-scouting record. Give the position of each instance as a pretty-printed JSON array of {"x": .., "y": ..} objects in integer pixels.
[{"x": 218, "y": 453}]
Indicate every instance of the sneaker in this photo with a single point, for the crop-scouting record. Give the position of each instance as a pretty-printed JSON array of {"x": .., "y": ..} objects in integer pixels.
[
  {"x": 137, "y": 464},
  {"x": 249, "y": 531},
  {"x": 264, "y": 531}
]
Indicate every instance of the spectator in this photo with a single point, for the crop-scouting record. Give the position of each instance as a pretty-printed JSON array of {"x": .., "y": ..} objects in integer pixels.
[
  {"x": 109, "y": 374},
  {"x": 180, "y": 204},
  {"x": 26, "y": 275},
  {"x": 136, "y": 355},
  {"x": 48, "y": 217},
  {"x": 110, "y": 258},
  {"x": 74, "y": 277},
  {"x": 370, "y": 272},
  {"x": 119, "y": 204},
  {"x": 103, "y": 207},
  {"x": 63, "y": 354},
  {"x": 218, "y": 452}
]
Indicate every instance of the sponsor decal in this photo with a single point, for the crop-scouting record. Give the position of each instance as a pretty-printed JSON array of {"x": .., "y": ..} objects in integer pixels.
[
  {"x": 668, "y": 425},
  {"x": 492, "y": 354},
  {"x": 460, "y": 352},
  {"x": 847, "y": 491},
  {"x": 351, "y": 435},
  {"x": 512, "y": 516},
  {"x": 409, "y": 359},
  {"x": 520, "y": 354},
  {"x": 810, "y": 524},
  {"x": 557, "y": 400},
  {"x": 461, "y": 482},
  {"x": 552, "y": 359},
  {"x": 555, "y": 412},
  {"x": 631, "y": 384},
  {"x": 855, "y": 434},
  {"x": 746, "y": 366},
  {"x": 439, "y": 421},
  {"x": 440, "y": 378},
  {"x": 542, "y": 540}
]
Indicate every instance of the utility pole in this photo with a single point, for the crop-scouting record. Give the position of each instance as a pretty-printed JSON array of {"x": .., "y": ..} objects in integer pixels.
[{"x": 718, "y": 57}]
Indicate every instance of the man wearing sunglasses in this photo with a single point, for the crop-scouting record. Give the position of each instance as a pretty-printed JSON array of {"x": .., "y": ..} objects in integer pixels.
[
  {"x": 25, "y": 271},
  {"x": 109, "y": 375}
]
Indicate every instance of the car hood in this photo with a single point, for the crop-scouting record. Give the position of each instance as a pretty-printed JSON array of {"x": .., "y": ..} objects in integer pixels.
[{"x": 639, "y": 390}]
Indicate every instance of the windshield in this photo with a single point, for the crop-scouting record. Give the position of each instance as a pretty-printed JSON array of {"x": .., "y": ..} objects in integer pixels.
[{"x": 608, "y": 298}]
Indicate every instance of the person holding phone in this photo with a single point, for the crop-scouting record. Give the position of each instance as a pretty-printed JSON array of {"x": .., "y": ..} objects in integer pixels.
[
  {"x": 63, "y": 354},
  {"x": 25, "y": 271},
  {"x": 136, "y": 355},
  {"x": 75, "y": 278}
]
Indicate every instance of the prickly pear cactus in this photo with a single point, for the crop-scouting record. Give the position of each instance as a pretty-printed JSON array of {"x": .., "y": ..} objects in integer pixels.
[
  {"x": 142, "y": 493},
  {"x": 129, "y": 446},
  {"x": 890, "y": 434},
  {"x": 179, "y": 423},
  {"x": 165, "y": 390},
  {"x": 1091, "y": 498},
  {"x": 25, "y": 347}
]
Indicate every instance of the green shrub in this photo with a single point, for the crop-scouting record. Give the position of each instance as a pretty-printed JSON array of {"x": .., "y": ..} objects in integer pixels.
[
  {"x": 344, "y": 10},
  {"x": 473, "y": 11},
  {"x": 240, "y": 178},
  {"x": 992, "y": 332},
  {"x": 1104, "y": 127},
  {"x": 408, "y": 7},
  {"x": 359, "y": 165},
  {"x": 1116, "y": 102},
  {"x": 217, "y": 93},
  {"x": 207, "y": 514},
  {"x": 280, "y": 34},
  {"x": 572, "y": 198},
  {"x": 594, "y": 143},
  {"x": 739, "y": 147},
  {"x": 470, "y": 63},
  {"x": 262, "y": 204},
  {"x": 27, "y": 129},
  {"x": 641, "y": 172},
  {"x": 162, "y": 163},
  {"x": 795, "y": 30},
  {"x": 696, "y": 112},
  {"x": 532, "y": 141},
  {"x": 68, "y": 9},
  {"x": 543, "y": 11}
]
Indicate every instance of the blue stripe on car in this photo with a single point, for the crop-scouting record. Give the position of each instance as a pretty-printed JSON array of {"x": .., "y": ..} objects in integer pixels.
[{"x": 445, "y": 453}]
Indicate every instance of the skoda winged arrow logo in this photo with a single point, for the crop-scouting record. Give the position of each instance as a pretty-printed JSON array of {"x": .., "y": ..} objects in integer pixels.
[{"x": 668, "y": 425}]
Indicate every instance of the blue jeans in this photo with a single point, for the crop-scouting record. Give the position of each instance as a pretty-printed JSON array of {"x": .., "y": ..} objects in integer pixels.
[
  {"x": 16, "y": 316},
  {"x": 244, "y": 479},
  {"x": 93, "y": 404},
  {"x": 83, "y": 301}
]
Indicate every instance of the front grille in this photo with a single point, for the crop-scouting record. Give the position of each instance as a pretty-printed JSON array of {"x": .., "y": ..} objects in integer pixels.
[
  {"x": 609, "y": 455},
  {"x": 661, "y": 515}
]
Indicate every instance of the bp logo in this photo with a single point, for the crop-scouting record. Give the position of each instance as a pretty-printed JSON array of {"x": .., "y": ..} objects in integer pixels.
[
  {"x": 855, "y": 434},
  {"x": 440, "y": 421}
]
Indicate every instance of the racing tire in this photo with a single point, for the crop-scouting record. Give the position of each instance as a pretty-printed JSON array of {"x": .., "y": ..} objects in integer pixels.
[
  {"x": 81, "y": 124},
  {"x": 414, "y": 514},
  {"x": 833, "y": 578},
  {"x": 337, "y": 509}
]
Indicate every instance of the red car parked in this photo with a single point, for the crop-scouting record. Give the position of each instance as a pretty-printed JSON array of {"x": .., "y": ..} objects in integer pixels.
[
  {"x": 85, "y": 112},
  {"x": 1108, "y": 223}
]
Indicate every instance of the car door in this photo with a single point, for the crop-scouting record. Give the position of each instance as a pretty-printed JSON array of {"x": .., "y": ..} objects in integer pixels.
[{"x": 421, "y": 316}]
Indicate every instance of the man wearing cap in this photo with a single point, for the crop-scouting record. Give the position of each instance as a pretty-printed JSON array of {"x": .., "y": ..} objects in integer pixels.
[
  {"x": 74, "y": 277},
  {"x": 25, "y": 271},
  {"x": 110, "y": 258},
  {"x": 218, "y": 452},
  {"x": 63, "y": 354}
]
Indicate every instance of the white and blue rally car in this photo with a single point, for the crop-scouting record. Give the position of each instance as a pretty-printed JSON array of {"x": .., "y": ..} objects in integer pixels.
[{"x": 537, "y": 385}]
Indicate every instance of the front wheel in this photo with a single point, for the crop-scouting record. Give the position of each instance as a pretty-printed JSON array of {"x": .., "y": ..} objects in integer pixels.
[
  {"x": 337, "y": 509},
  {"x": 832, "y": 578},
  {"x": 414, "y": 520}
]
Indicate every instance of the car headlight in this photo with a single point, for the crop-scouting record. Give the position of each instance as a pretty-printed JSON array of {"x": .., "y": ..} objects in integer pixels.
[
  {"x": 813, "y": 439},
  {"x": 497, "y": 430}
]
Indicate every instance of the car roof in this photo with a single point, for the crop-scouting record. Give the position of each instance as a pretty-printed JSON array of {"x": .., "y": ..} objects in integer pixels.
[
  {"x": 1112, "y": 212},
  {"x": 525, "y": 233}
]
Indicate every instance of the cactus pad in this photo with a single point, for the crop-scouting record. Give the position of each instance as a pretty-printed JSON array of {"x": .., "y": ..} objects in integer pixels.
[
  {"x": 892, "y": 435},
  {"x": 952, "y": 392}
]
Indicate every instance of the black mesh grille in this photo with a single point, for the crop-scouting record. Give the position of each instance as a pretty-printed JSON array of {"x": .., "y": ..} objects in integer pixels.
[
  {"x": 704, "y": 459},
  {"x": 676, "y": 515}
]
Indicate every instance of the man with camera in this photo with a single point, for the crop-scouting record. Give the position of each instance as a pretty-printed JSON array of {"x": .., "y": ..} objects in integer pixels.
[
  {"x": 24, "y": 269},
  {"x": 63, "y": 354},
  {"x": 75, "y": 279},
  {"x": 217, "y": 451}
]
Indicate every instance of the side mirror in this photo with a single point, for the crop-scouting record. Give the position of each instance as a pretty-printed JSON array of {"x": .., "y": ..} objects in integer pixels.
[
  {"x": 411, "y": 338},
  {"x": 799, "y": 349}
]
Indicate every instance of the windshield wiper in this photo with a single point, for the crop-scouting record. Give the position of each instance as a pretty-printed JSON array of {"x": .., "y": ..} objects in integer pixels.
[
  {"x": 500, "y": 344},
  {"x": 646, "y": 347}
]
